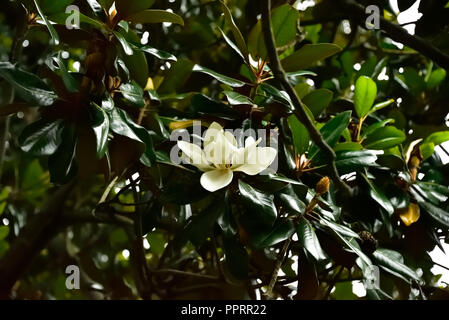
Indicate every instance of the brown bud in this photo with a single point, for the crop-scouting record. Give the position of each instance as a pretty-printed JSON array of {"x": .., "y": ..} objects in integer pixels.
[
  {"x": 322, "y": 186},
  {"x": 414, "y": 162}
]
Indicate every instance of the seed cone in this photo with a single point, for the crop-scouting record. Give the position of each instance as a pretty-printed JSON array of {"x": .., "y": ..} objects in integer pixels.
[
  {"x": 368, "y": 243},
  {"x": 322, "y": 186}
]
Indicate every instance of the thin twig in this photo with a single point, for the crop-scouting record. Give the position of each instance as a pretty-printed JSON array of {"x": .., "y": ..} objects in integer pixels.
[
  {"x": 332, "y": 283},
  {"x": 300, "y": 112},
  {"x": 277, "y": 267}
]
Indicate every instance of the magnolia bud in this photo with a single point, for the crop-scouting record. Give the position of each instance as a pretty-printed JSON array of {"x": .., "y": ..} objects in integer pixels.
[{"x": 322, "y": 186}]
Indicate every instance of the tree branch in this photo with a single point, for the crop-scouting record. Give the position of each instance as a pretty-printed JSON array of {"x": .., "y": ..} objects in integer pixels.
[
  {"x": 300, "y": 112},
  {"x": 398, "y": 34}
]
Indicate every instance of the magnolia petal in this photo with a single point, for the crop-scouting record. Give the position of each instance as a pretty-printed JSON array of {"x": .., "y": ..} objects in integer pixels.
[
  {"x": 263, "y": 159},
  {"x": 220, "y": 152},
  {"x": 216, "y": 179},
  {"x": 194, "y": 154},
  {"x": 230, "y": 138},
  {"x": 211, "y": 133},
  {"x": 250, "y": 141}
]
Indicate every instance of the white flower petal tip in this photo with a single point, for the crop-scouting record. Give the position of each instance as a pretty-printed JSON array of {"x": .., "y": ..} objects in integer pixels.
[{"x": 216, "y": 179}]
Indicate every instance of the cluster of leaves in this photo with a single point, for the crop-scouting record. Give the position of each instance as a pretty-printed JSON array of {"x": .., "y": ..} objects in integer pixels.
[{"x": 96, "y": 105}]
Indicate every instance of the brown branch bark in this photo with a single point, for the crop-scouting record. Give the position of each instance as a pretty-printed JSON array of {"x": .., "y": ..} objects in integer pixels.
[{"x": 300, "y": 112}]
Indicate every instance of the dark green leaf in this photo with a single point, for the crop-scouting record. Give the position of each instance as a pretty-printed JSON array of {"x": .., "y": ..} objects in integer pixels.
[
  {"x": 308, "y": 239},
  {"x": 378, "y": 195},
  {"x": 300, "y": 135},
  {"x": 389, "y": 261},
  {"x": 237, "y": 259},
  {"x": 349, "y": 161},
  {"x": 384, "y": 138},
  {"x": 221, "y": 78},
  {"x": 133, "y": 93},
  {"x": 155, "y": 16},
  {"x": 308, "y": 55},
  {"x": 100, "y": 125},
  {"x": 51, "y": 29},
  {"x": 241, "y": 44},
  {"x": 318, "y": 100},
  {"x": 28, "y": 86},
  {"x": 61, "y": 164},
  {"x": 127, "y": 7},
  {"x": 41, "y": 138},
  {"x": 259, "y": 203},
  {"x": 332, "y": 131},
  {"x": 235, "y": 98},
  {"x": 282, "y": 230}
]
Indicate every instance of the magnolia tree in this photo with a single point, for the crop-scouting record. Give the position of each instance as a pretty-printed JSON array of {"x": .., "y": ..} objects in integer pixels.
[{"x": 222, "y": 149}]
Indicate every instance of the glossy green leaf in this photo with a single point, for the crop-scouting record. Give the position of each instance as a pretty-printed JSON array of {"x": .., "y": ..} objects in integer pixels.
[
  {"x": 348, "y": 146},
  {"x": 258, "y": 202},
  {"x": 378, "y": 195},
  {"x": 437, "y": 213},
  {"x": 41, "y": 138},
  {"x": 51, "y": 29},
  {"x": 240, "y": 41},
  {"x": 308, "y": 55},
  {"x": 100, "y": 125},
  {"x": 436, "y": 78},
  {"x": 318, "y": 100},
  {"x": 69, "y": 81},
  {"x": 363, "y": 262},
  {"x": 282, "y": 230},
  {"x": 61, "y": 18},
  {"x": 376, "y": 126},
  {"x": 381, "y": 105},
  {"x": 221, "y": 78},
  {"x": 162, "y": 55},
  {"x": 136, "y": 63},
  {"x": 284, "y": 25},
  {"x": 355, "y": 160},
  {"x": 437, "y": 138},
  {"x": 155, "y": 16},
  {"x": 50, "y": 6},
  {"x": 27, "y": 85},
  {"x": 427, "y": 149},
  {"x": 388, "y": 260},
  {"x": 291, "y": 201},
  {"x": 201, "y": 104},
  {"x": 284, "y": 21},
  {"x": 300, "y": 135},
  {"x": 308, "y": 239},
  {"x": 125, "y": 45},
  {"x": 177, "y": 76},
  {"x": 62, "y": 164},
  {"x": 128, "y": 7},
  {"x": 235, "y": 98},
  {"x": 122, "y": 124},
  {"x": 332, "y": 131},
  {"x": 201, "y": 225},
  {"x": 384, "y": 138},
  {"x": 133, "y": 93},
  {"x": 364, "y": 95}
]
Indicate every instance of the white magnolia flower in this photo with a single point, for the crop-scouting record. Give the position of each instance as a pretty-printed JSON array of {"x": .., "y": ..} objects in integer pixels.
[{"x": 221, "y": 156}]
